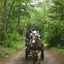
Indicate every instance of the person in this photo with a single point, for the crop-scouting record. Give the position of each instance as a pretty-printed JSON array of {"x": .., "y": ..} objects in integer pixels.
[
  {"x": 28, "y": 36},
  {"x": 33, "y": 29},
  {"x": 39, "y": 33}
]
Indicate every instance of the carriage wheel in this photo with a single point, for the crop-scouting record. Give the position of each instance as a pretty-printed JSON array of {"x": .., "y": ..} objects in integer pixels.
[
  {"x": 42, "y": 55},
  {"x": 26, "y": 55}
]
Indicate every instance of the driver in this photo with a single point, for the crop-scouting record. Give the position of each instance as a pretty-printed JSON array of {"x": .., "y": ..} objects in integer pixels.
[
  {"x": 33, "y": 29},
  {"x": 28, "y": 35}
]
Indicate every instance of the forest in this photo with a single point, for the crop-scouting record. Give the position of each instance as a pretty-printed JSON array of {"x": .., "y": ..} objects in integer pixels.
[{"x": 17, "y": 16}]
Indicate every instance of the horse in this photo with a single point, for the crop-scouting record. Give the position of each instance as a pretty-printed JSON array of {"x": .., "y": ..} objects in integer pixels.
[{"x": 35, "y": 42}]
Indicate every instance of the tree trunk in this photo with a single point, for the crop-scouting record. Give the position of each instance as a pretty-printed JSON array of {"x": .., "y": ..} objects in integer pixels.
[
  {"x": 4, "y": 19},
  {"x": 18, "y": 20},
  {"x": 62, "y": 13},
  {"x": 55, "y": 11},
  {"x": 44, "y": 16},
  {"x": 44, "y": 9},
  {"x": 24, "y": 27},
  {"x": 9, "y": 16},
  {"x": 16, "y": 25}
]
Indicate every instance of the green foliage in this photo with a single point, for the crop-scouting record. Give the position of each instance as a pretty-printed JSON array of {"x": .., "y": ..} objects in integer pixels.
[
  {"x": 22, "y": 11},
  {"x": 56, "y": 9},
  {"x": 15, "y": 18},
  {"x": 59, "y": 51},
  {"x": 53, "y": 33},
  {"x": 15, "y": 35},
  {"x": 5, "y": 52},
  {"x": 8, "y": 39}
]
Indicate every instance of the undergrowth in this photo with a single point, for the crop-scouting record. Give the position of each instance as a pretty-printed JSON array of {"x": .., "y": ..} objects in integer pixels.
[
  {"x": 59, "y": 51},
  {"x": 5, "y": 52}
]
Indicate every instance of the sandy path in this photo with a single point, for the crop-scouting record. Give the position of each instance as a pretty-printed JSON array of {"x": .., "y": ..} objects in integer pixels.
[{"x": 49, "y": 58}]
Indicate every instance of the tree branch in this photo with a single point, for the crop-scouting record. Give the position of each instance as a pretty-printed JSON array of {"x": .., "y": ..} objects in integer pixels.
[{"x": 9, "y": 15}]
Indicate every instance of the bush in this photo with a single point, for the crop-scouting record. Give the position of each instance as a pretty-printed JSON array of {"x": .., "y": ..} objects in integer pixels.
[
  {"x": 53, "y": 33},
  {"x": 9, "y": 38},
  {"x": 15, "y": 36}
]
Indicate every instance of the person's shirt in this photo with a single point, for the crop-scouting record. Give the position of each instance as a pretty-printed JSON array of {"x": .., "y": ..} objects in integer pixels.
[
  {"x": 28, "y": 34},
  {"x": 40, "y": 36}
]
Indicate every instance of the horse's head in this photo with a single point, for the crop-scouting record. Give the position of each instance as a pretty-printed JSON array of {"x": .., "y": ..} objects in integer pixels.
[{"x": 34, "y": 38}]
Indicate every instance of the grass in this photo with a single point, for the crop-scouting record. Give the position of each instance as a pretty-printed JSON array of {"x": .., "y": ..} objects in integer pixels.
[
  {"x": 5, "y": 52},
  {"x": 59, "y": 51}
]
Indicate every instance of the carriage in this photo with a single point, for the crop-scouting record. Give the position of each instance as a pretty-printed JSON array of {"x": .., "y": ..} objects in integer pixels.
[
  {"x": 28, "y": 48},
  {"x": 27, "y": 51}
]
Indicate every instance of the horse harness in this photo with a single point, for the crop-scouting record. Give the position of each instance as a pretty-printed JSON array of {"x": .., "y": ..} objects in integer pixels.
[{"x": 35, "y": 48}]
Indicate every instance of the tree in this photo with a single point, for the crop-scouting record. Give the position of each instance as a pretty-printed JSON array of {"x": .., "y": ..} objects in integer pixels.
[
  {"x": 57, "y": 7},
  {"x": 4, "y": 19},
  {"x": 9, "y": 15}
]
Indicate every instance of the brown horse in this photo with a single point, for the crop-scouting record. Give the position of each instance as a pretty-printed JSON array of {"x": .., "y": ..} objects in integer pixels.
[{"x": 35, "y": 42}]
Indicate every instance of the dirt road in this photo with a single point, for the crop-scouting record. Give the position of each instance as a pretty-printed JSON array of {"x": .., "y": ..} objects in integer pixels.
[{"x": 19, "y": 58}]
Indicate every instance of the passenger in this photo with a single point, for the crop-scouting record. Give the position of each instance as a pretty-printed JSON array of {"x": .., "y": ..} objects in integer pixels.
[
  {"x": 33, "y": 29},
  {"x": 39, "y": 34}
]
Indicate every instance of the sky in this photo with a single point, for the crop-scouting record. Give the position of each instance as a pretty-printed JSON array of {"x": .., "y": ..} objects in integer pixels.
[{"x": 36, "y": 1}]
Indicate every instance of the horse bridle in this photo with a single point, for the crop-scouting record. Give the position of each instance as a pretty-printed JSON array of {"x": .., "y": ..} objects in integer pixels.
[{"x": 32, "y": 39}]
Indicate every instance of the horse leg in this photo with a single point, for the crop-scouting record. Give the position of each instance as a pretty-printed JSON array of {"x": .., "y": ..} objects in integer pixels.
[
  {"x": 36, "y": 56},
  {"x": 39, "y": 56},
  {"x": 33, "y": 57}
]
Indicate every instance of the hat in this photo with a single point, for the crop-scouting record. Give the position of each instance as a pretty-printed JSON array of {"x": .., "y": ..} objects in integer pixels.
[
  {"x": 33, "y": 27},
  {"x": 36, "y": 29}
]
